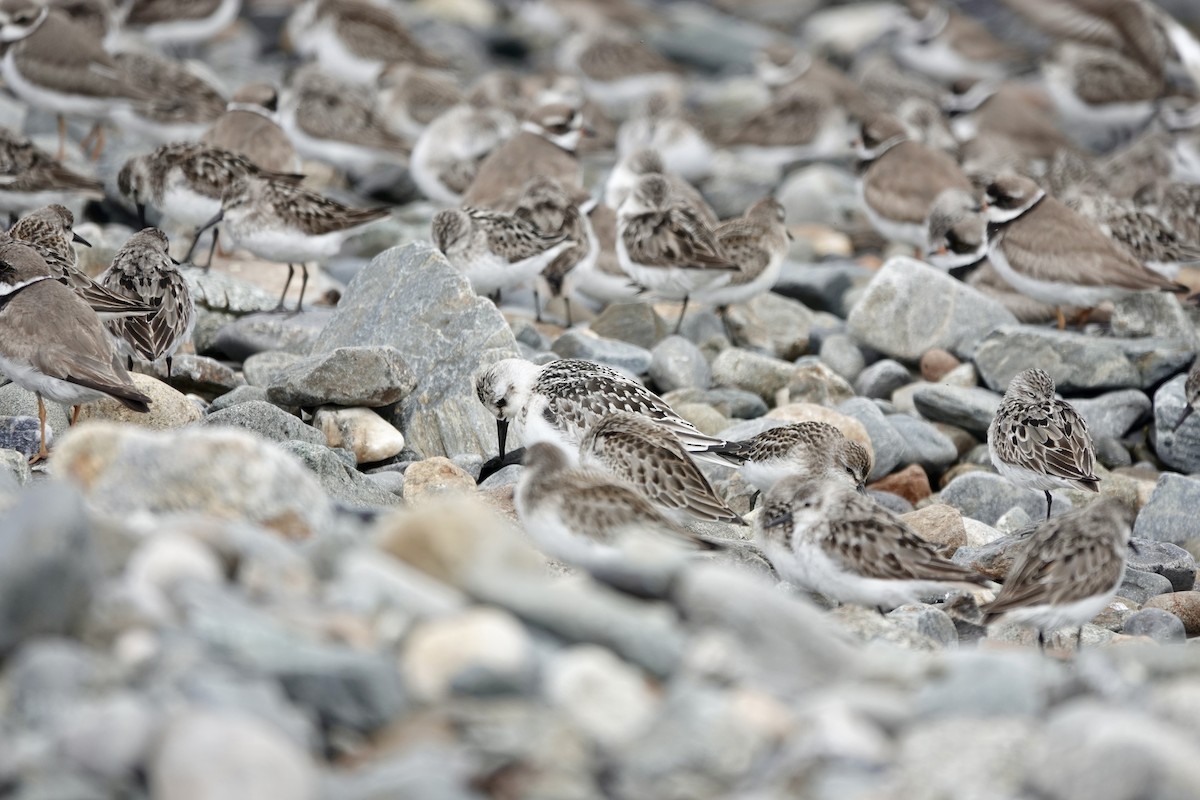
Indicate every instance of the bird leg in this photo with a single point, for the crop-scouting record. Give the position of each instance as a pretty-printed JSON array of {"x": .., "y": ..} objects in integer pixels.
[
  {"x": 537, "y": 306},
  {"x": 1082, "y": 317},
  {"x": 1079, "y": 639},
  {"x": 1041, "y": 640},
  {"x": 212, "y": 249},
  {"x": 62, "y": 137},
  {"x": 286, "y": 285},
  {"x": 754, "y": 499},
  {"x": 1062, "y": 318},
  {"x": 100, "y": 140},
  {"x": 75, "y": 414},
  {"x": 567, "y": 304},
  {"x": 42, "y": 453},
  {"x": 682, "y": 314},
  {"x": 169, "y": 360},
  {"x": 1049, "y": 502},
  {"x": 303, "y": 286}
]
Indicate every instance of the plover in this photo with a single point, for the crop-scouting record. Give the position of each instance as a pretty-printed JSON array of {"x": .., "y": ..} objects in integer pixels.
[
  {"x": 496, "y": 251},
  {"x": 810, "y": 448},
  {"x": 648, "y": 161},
  {"x": 1040, "y": 442},
  {"x": 644, "y": 454},
  {"x": 617, "y": 69},
  {"x": 55, "y": 64},
  {"x": 182, "y": 105},
  {"x": 411, "y": 97},
  {"x": 249, "y": 127},
  {"x": 757, "y": 243},
  {"x": 546, "y": 204},
  {"x": 568, "y": 396},
  {"x": 447, "y": 155},
  {"x": 144, "y": 271},
  {"x": 947, "y": 45},
  {"x": 334, "y": 121},
  {"x": 52, "y": 344},
  {"x": 902, "y": 180},
  {"x": 1150, "y": 240},
  {"x": 1023, "y": 118},
  {"x": 664, "y": 245},
  {"x": 354, "y": 39},
  {"x": 590, "y": 519},
  {"x": 956, "y": 232},
  {"x": 1068, "y": 571},
  {"x": 803, "y": 122},
  {"x": 30, "y": 178},
  {"x": 1052, "y": 254},
  {"x": 171, "y": 22},
  {"x": 276, "y": 219},
  {"x": 545, "y": 145},
  {"x": 827, "y": 538}
]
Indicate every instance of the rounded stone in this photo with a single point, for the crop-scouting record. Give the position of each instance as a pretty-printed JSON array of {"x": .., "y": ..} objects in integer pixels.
[
  {"x": 444, "y": 652},
  {"x": 911, "y": 483},
  {"x": 435, "y": 476},
  {"x": 936, "y": 363},
  {"x": 361, "y": 431},
  {"x": 607, "y": 698},
  {"x": 676, "y": 363},
  {"x": 882, "y": 378},
  {"x": 1185, "y": 605},
  {"x": 168, "y": 407},
  {"x": 1157, "y": 623}
]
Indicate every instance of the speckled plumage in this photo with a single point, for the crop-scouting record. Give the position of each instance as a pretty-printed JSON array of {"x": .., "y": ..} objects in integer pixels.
[
  {"x": 496, "y": 251},
  {"x": 30, "y": 178},
  {"x": 830, "y": 539},
  {"x": 757, "y": 244},
  {"x": 811, "y": 448}
]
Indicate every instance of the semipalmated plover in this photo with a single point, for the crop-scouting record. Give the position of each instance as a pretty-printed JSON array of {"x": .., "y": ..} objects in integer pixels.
[{"x": 249, "y": 126}]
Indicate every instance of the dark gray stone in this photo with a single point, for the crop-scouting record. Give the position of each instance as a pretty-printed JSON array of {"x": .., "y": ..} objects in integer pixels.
[
  {"x": 1140, "y": 586},
  {"x": 338, "y": 476},
  {"x": 927, "y": 620},
  {"x": 676, "y": 363},
  {"x": 985, "y": 496},
  {"x": 824, "y": 286},
  {"x": 612, "y": 352},
  {"x": 1178, "y": 447},
  {"x": 892, "y": 502},
  {"x": 192, "y": 374},
  {"x": 910, "y": 307},
  {"x": 1112, "y": 415},
  {"x": 842, "y": 355},
  {"x": 22, "y": 435},
  {"x": 445, "y": 334},
  {"x": 48, "y": 567},
  {"x": 734, "y": 403},
  {"x": 242, "y": 394},
  {"x": 1168, "y": 560},
  {"x": 923, "y": 443},
  {"x": 346, "y": 376},
  {"x": 261, "y": 369},
  {"x": 888, "y": 445},
  {"x": 267, "y": 420},
  {"x": 16, "y": 402},
  {"x": 256, "y": 333},
  {"x": 1112, "y": 453},
  {"x": 1076, "y": 361},
  {"x": 971, "y": 409},
  {"x": 882, "y": 378},
  {"x": 1171, "y": 515},
  {"x": 1161, "y": 626}
]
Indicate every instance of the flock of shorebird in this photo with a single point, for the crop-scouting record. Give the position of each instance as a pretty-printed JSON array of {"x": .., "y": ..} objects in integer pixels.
[{"x": 1055, "y": 182}]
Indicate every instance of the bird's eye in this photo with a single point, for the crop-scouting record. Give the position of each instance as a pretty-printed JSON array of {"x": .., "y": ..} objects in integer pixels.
[{"x": 501, "y": 402}]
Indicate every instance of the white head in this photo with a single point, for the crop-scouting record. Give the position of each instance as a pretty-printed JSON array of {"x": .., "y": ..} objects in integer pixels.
[
  {"x": 505, "y": 389},
  {"x": 793, "y": 506}
]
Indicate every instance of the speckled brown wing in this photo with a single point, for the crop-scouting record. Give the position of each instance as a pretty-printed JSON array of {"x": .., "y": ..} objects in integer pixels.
[
  {"x": 904, "y": 182},
  {"x": 24, "y": 168},
  {"x": 512, "y": 238},
  {"x": 592, "y": 504},
  {"x": 151, "y": 12},
  {"x": 1050, "y": 437},
  {"x": 869, "y": 541},
  {"x": 1112, "y": 24},
  {"x": 742, "y": 242},
  {"x": 650, "y": 458},
  {"x": 1107, "y": 77},
  {"x": 177, "y": 94},
  {"x": 316, "y": 214},
  {"x": 63, "y": 57},
  {"x": 208, "y": 170},
  {"x": 155, "y": 335},
  {"x": 373, "y": 32},
  {"x": 793, "y": 119},
  {"x": 677, "y": 237},
  {"x": 330, "y": 109},
  {"x": 610, "y": 59}
]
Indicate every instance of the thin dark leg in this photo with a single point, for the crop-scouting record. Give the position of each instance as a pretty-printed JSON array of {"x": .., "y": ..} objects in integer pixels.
[
  {"x": 1049, "y": 502},
  {"x": 287, "y": 284},
  {"x": 187, "y": 259},
  {"x": 303, "y": 286},
  {"x": 1041, "y": 640},
  {"x": 882, "y": 613},
  {"x": 169, "y": 360},
  {"x": 567, "y": 303},
  {"x": 537, "y": 306},
  {"x": 754, "y": 499},
  {"x": 682, "y": 314},
  {"x": 212, "y": 249},
  {"x": 1079, "y": 639}
]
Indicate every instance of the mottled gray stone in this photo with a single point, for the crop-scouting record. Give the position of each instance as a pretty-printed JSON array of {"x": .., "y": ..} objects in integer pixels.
[
  {"x": 888, "y": 445},
  {"x": 1139, "y": 585},
  {"x": 773, "y": 324},
  {"x": 261, "y": 369},
  {"x": 1171, "y": 514},
  {"x": 445, "y": 334},
  {"x": 22, "y": 435},
  {"x": 822, "y": 287},
  {"x": 882, "y": 378},
  {"x": 633, "y": 322},
  {"x": 1178, "y": 447},
  {"x": 979, "y": 684},
  {"x": 338, "y": 476},
  {"x": 242, "y": 394},
  {"x": 267, "y": 420},
  {"x": 676, "y": 363},
  {"x": 1168, "y": 560},
  {"x": 985, "y": 496},
  {"x": 923, "y": 443},
  {"x": 971, "y": 409},
  {"x": 256, "y": 333},
  {"x": 1077, "y": 361},
  {"x": 1111, "y": 415},
  {"x": 735, "y": 403},
  {"x": 820, "y": 193},
  {"x": 842, "y": 355},
  {"x": 814, "y": 382},
  {"x": 928, "y": 621},
  {"x": 346, "y": 376},
  {"x": 612, "y": 352},
  {"x": 1152, "y": 314},
  {"x": 1161, "y": 626},
  {"x": 192, "y": 374},
  {"x": 910, "y": 307}
]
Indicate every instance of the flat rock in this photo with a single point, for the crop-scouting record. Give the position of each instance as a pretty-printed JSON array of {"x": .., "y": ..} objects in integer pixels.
[
  {"x": 971, "y": 409},
  {"x": 1178, "y": 447},
  {"x": 634, "y": 322},
  {"x": 676, "y": 363},
  {"x": 334, "y": 470},
  {"x": 940, "y": 524},
  {"x": 168, "y": 408},
  {"x": 242, "y": 394},
  {"x": 262, "y": 368},
  {"x": 193, "y": 374},
  {"x": 1172, "y": 562},
  {"x": 361, "y": 431},
  {"x": 909, "y": 307},
  {"x": 445, "y": 334},
  {"x": 345, "y": 376},
  {"x": 880, "y": 379},
  {"x": 1170, "y": 516},
  {"x": 1140, "y": 586},
  {"x": 814, "y": 382},
  {"x": 753, "y": 372},
  {"x": 267, "y": 420},
  {"x": 255, "y": 333},
  {"x": 1156, "y": 623},
  {"x": 923, "y": 443},
  {"x": 227, "y": 473},
  {"x": 1078, "y": 362},
  {"x": 1112, "y": 415},
  {"x": 612, "y": 352},
  {"x": 1158, "y": 314},
  {"x": 772, "y": 323},
  {"x": 986, "y": 496},
  {"x": 1185, "y": 605}
]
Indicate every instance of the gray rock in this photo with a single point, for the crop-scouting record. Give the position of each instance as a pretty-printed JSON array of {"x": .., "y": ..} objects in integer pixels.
[
  {"x": 923, "y": 443},
  {"x": 445, "y": 335},
  {"x": 879, "y": 380},
  {"x": 1077, "y": 361},
  {"x": 842, "y": 355},
  {"x": 824, "y": 286},
  {"x": 1170, "y": 516},
  {"x": 14, "y": 464},
  {"x": 108, "y": 736},
  {"x": 434, "y": 770},
  {"x": 527, "y": 333},
  {"x": 262, "y": 369},
  {"x": 219, "y": 291},
  {"x": 633, "y": 322},
  {"x": 1111, "y": 415},
  {"x": 910, "y": 307},
  {"x": 267, "y": 420},
  {"x": 888, "y": 444},
  {"x": 1161, "y": 626},
  {"x": 814, "y": 382},
  {"x": 338, "y": 476},
  {"x": 820, "y": 193},
  {"x": 710, "y": 40},
  {"x": 256, "y": 333},
  {"x": 1112, "y": 453},
  {"x": 16, "y": 402},
  {"x": 48, "y": 568},
  {"x": 23, "y": 435},
  {"x": 970, "y": 409},
  {"x": 505, "y": 477},
  {"x": 676, "y": 363},
  {"x": 1168, "y": 560},
  {"x": 193, "y": 374},
  {"x": 1156, "y": 314},
  {"x": 735, "y": 403},
  {"x": 346, "y": 376},
  {"x": 1178, "y": 447},
  {"x": 752, "y": 372},
  {"x": 1140, "y": 586},
  {"x": 242, "y": 394},
  {"x": 928, "y": 621},
  {"x": 986, "y": 496},
  {"x": 892, "y": 502},
  {"x": 976, "y": 684},
  {"x": 613, "y": 352},
  {"x": 773, "y": 324}
]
